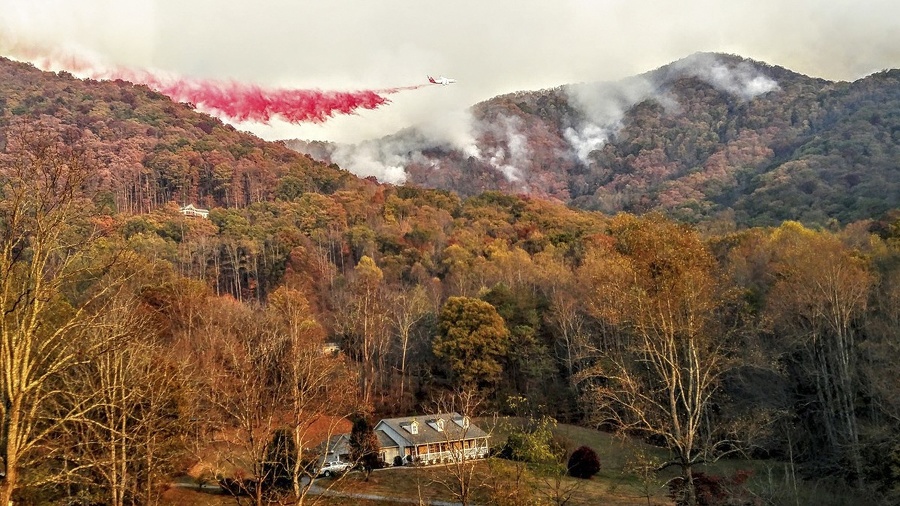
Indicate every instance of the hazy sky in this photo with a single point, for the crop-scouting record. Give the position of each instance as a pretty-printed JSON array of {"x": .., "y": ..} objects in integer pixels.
[{"x": 490, "y": 46}]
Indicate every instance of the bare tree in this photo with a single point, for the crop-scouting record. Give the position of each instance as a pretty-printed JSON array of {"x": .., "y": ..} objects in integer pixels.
[
  {"x": 362, "y": 318},
  {"x": 321, "y": 392},
  {"x": 819, "y": 298},
  {"x": 567, "y": 319},
  {"x": 462, "y": 478},
  {"x": 127, "y": 442},
  {"x": 45, "y": 239},
  {"x": 659, "y": 288},
  {"x": 242, "y": 391},
  {"x": 409, "y": 307}
]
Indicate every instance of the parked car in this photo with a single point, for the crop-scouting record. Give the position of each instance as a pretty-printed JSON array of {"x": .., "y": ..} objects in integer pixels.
[{"x": 334, "y": 468}]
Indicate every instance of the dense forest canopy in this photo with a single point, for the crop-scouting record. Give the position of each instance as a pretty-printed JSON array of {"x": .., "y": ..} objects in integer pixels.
[
  {"x": 709, "y": 137},
  {"x": 778, "y": 341}
]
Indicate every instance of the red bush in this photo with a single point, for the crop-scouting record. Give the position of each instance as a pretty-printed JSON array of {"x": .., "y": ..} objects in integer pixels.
[{"x": 584, "y": 463}]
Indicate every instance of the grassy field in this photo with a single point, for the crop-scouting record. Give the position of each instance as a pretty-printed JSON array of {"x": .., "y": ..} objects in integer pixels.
[{"x": 497, "y": 481}]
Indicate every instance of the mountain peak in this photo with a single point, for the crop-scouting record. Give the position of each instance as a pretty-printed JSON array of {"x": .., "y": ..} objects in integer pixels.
[{"x": 708, "y": 134}]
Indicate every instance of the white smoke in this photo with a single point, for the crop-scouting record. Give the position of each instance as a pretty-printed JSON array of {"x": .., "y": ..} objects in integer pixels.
[
  {"x": 509, "y": 160},
  {"x": 454, "y": 129},
  {"x": 388, "y": 157},
  {"x": 586, "y": 140},
  {"x": 603, "y": 106},
  {"x": 600, "y": 109},
  {"x": 386, "y": 161},
  {"x": 743, "y": 80}
]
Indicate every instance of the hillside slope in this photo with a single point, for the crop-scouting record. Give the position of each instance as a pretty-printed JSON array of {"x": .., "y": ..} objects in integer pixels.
[
  {"x": 153, "y": 151},
  {"x": 709, "y": 136}
]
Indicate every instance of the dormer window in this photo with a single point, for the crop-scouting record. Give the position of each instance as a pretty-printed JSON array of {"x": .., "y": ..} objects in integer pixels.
[
  {"x": 414, "y": 427},
  {"x": 465, "y": 422},
  {"x": 440, "y": 425}
]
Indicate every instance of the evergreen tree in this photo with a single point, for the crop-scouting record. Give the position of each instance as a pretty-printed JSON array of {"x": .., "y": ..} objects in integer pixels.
[{"x": 364, "y": 446}]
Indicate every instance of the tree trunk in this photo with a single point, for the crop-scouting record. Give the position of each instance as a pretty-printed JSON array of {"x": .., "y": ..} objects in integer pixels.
[
  {"x": 10, "y": 451},
  {"x": 690, "y": 492}
]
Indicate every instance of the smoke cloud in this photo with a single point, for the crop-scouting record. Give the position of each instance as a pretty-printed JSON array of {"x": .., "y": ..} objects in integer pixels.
[
  {"x": 508, "y": 160},
  {"x": 603, "y": 106},
  {"x": 743, "y": 80},
  {"x": 388, "y": 157},
  {"x": 502, "y": 143}
]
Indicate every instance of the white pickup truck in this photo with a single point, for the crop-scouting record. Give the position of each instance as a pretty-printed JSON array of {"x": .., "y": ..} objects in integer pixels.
[{"x": 334, "y": 468}]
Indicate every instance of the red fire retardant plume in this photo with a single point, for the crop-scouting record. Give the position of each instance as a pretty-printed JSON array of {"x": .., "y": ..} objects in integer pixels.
[
  {"x": 236, "y": 101},
  {"x": 246, "y": 102}
]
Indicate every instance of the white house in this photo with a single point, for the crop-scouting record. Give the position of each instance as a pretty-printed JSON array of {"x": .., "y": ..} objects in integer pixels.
[
  {"x": 190, "y": 210},
  {"x": 432, "y": 439},
  {"x": 426, "y": 439}
]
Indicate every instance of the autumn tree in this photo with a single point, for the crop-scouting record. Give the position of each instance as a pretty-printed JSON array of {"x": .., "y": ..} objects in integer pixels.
[
  {"x": 128, "y": 442},
  {"x": 658, "y": 286},
  {"x": 473, "y": 340},
  {"x": 46, "y": 237},
  {"x": 319, "y": 392},
  {"x": 818, "y": 300}
]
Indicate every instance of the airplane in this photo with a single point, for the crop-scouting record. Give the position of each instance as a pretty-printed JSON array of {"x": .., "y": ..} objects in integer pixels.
[{"x": 443, "y": 81}]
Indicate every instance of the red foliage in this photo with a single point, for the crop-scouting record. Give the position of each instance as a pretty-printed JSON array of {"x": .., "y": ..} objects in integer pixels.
[{"x": 713, "y": 490}]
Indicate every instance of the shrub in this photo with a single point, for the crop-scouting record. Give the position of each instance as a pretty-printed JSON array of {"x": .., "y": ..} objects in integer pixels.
[
  {"x": 713, "y": 490},
  {"x": 584, "y": 463}
]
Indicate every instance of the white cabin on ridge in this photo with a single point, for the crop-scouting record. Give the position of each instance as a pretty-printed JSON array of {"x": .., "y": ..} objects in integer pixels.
[{"x": 190, "y": 210}]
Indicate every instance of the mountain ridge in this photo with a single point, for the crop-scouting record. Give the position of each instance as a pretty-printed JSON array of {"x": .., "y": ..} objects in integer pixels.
[{"x": 710, "y": 136}]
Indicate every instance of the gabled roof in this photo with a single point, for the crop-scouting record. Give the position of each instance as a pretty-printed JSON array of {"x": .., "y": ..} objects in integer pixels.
[
  {"x": 455, "y": 428},
  {"x": 384, "y": 440},
  {"x": 190, "y": 210}
]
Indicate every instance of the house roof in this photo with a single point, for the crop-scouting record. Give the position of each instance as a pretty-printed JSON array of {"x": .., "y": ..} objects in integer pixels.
[
  {"x": 384, "y": 440},
  {"x": 441, "y": 427},
  {"x": 334, "y": 444}
]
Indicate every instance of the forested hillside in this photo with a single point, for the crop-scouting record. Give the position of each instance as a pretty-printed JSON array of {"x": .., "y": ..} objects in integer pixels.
[
  {"x": 708, "y": 137},
  {"x": 152, "y": 151},
  {"x": 138, "y": 342}
]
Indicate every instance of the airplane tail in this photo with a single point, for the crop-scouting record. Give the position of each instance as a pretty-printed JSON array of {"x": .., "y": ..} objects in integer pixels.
[{"x": 431, "y": 80}]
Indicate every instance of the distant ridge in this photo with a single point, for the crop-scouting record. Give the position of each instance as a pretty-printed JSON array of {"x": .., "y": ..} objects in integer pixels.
[{"x": 710, "y": 136}]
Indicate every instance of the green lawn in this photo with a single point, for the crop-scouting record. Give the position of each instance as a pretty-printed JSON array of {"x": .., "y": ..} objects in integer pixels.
[{"x": 498, "y": 481}]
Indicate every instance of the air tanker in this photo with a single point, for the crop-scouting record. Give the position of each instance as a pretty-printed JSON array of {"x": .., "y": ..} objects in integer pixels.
[{"x": 443, "y": 81}]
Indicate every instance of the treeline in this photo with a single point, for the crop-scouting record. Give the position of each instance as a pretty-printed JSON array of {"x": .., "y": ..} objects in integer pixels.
[{"x": 136, "y": 344}]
